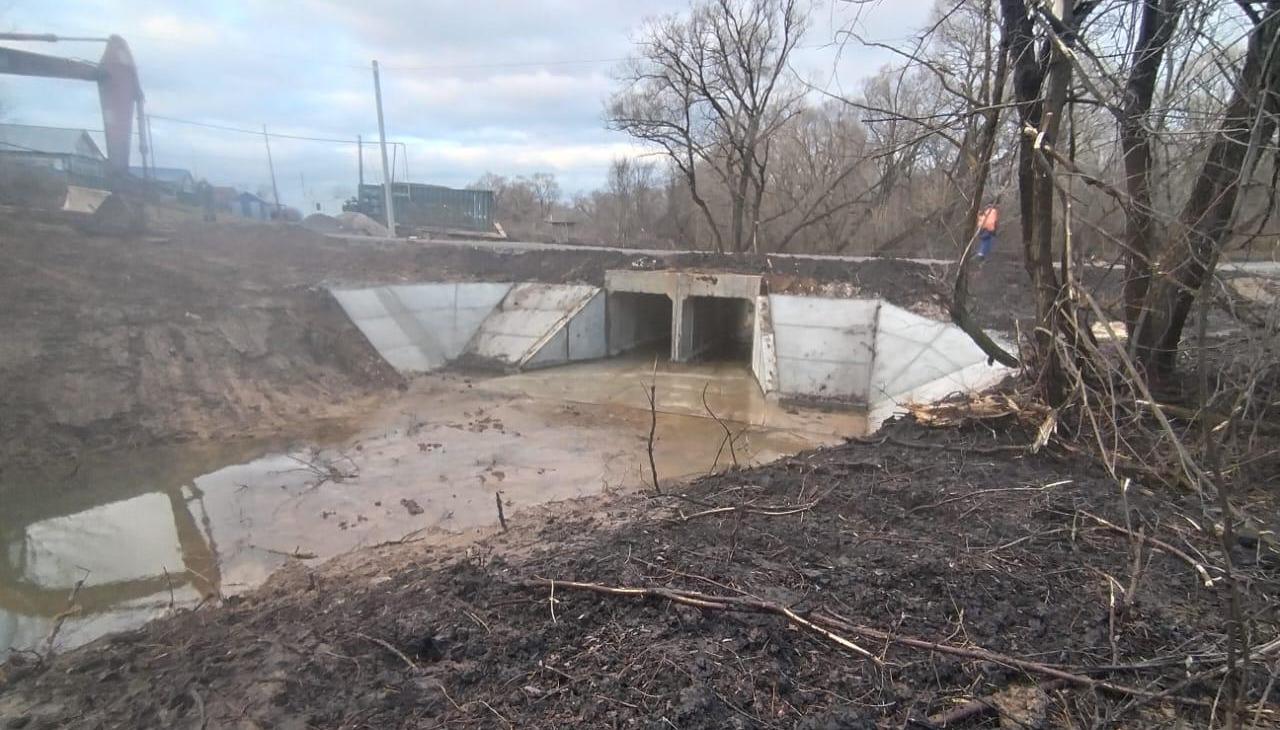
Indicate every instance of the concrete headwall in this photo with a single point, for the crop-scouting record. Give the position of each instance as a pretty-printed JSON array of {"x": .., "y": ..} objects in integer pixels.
[
  {"x": 420, "y": 327},
  {"x": 693, "y": 298}
]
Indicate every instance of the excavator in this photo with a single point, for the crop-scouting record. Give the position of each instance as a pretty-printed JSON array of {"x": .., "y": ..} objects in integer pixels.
[{"x": 120, "y": 95}]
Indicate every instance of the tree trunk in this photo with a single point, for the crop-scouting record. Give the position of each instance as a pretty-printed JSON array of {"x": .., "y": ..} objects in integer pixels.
[
  {"x": 993, "y": 96},
  {"x": 1206, "y": 219},
  {"x": 1035, "y": 184},
  {"x": 1159, "y": 19}
]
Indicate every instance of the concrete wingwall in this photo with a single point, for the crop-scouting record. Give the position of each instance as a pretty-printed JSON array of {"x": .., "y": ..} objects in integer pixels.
[
  {"x": 919, "y": 360},
  {"x": 865, "y": 352},
  {"x": 542, "y": 324},
  {"x": 418, "y": 328}
]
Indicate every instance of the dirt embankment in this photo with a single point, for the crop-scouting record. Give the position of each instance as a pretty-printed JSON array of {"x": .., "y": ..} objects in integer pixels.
[
  {"x": 976, "y": 548},
  {"x": 110, "y": 342},
  {"x": 215, "y": 330}
]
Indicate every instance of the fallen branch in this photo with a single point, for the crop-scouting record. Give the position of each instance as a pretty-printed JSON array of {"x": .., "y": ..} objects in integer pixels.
[
  {"x": 297, "y": 553},
  {"x": 969, "y": 495},
  {"x": 986, "y": 655},
  {"x": 781, "y": 510},
  {"x": 720, "y": 603},
  {"x": 1159, "y": 545},
  {"x": 385, "y": 645},
  {"x": 968, "y": 449}
]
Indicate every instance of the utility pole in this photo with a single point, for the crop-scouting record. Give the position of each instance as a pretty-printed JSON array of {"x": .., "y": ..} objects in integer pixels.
[
  {"x": 275, "y": 191},
  {"x": 382, "y": 142},
  {"x": 360, "y": 160},
  {"x": 151, "y": 147}
]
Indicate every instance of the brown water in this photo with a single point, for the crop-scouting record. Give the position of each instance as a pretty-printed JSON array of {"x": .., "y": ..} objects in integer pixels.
[{"x": 148, "y": 529}]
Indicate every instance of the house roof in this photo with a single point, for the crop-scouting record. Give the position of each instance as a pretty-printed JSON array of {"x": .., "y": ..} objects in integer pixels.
[
  {"x": 49, "y": 140},
  {"x": 163, "y": 174}
]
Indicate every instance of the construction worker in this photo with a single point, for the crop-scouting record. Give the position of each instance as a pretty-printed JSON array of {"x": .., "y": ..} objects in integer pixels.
[{"x": 988, "y": 222}]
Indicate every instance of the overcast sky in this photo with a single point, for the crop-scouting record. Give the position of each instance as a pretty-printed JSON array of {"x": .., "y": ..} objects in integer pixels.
[{"x": 507, "y": 86}]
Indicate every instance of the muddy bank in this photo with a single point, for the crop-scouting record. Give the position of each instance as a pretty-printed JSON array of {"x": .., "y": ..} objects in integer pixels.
[{"x": 961, "y": 546}]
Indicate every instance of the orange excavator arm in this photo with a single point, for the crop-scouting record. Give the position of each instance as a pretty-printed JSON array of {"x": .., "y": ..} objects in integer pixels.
[{"x": 119, "y": 91}]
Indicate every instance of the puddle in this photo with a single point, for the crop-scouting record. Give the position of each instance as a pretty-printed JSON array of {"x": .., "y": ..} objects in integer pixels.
[{"x": 149, "y": 530}]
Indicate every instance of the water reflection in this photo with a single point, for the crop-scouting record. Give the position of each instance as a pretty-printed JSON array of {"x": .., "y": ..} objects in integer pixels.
[{"x": 150, "y": 528}]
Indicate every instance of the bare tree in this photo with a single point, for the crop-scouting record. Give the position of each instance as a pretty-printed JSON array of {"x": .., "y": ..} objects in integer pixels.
[
  {"x": 709, "y": 90},
  {"x": 546, "y": 190},
  {"x": 631, "y": 191}
]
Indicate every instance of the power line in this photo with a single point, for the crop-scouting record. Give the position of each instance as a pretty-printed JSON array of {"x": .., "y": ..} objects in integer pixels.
[
  {"x": 507, "y": 64},
  {"x": 256, "y": 133}
]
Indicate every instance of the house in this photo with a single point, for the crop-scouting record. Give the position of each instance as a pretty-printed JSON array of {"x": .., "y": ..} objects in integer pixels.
[
  {"x": 172, "y": 181},
  {"x": 225, "y": 198},
  {"x": 562, "y": 226},
  {"x": 70, "y": 153},
  {"x": 251, "y": 206}
]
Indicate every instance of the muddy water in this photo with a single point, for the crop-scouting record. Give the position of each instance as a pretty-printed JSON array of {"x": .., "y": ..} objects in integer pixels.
[{"x": 150, "y": 530}]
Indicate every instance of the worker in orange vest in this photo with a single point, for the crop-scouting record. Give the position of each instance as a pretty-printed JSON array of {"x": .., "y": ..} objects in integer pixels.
[{"x": 988, "y": 222}]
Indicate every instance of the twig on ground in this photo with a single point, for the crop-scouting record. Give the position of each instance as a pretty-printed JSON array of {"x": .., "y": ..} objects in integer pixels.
[
  {"x": 986, "y": 655},
  {"x": 652, "y": 394},
  {"x": 297, "y": 554},
  {"x": 722, "y": 603},
  {"x": 502, "y": 518},
  {"x": 71, "y": 610},
  {"x": 728, "y": 435},
  {"x": 1158, "y": 544},
  {"x": 781, "y": 510},
  {"x": 965, "y": 448},
  {"x": 408, "y": 662},
  {"x": 826, "y": 624},
  {"x": 969, "y": 495},
  {"x": 168, "y": 581}
]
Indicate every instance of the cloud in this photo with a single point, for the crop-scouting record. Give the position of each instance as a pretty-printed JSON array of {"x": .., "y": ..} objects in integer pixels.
[{"x": 469, "y": 87}]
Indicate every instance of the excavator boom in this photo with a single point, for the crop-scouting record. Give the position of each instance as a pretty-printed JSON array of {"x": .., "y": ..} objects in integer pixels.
[{"x": 119, "y": 91}]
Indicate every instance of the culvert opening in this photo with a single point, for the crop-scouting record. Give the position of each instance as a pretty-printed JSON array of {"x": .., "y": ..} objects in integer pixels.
[
  {"x": 716, "y": 329},
  {"x": 639, "y": 322}
]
